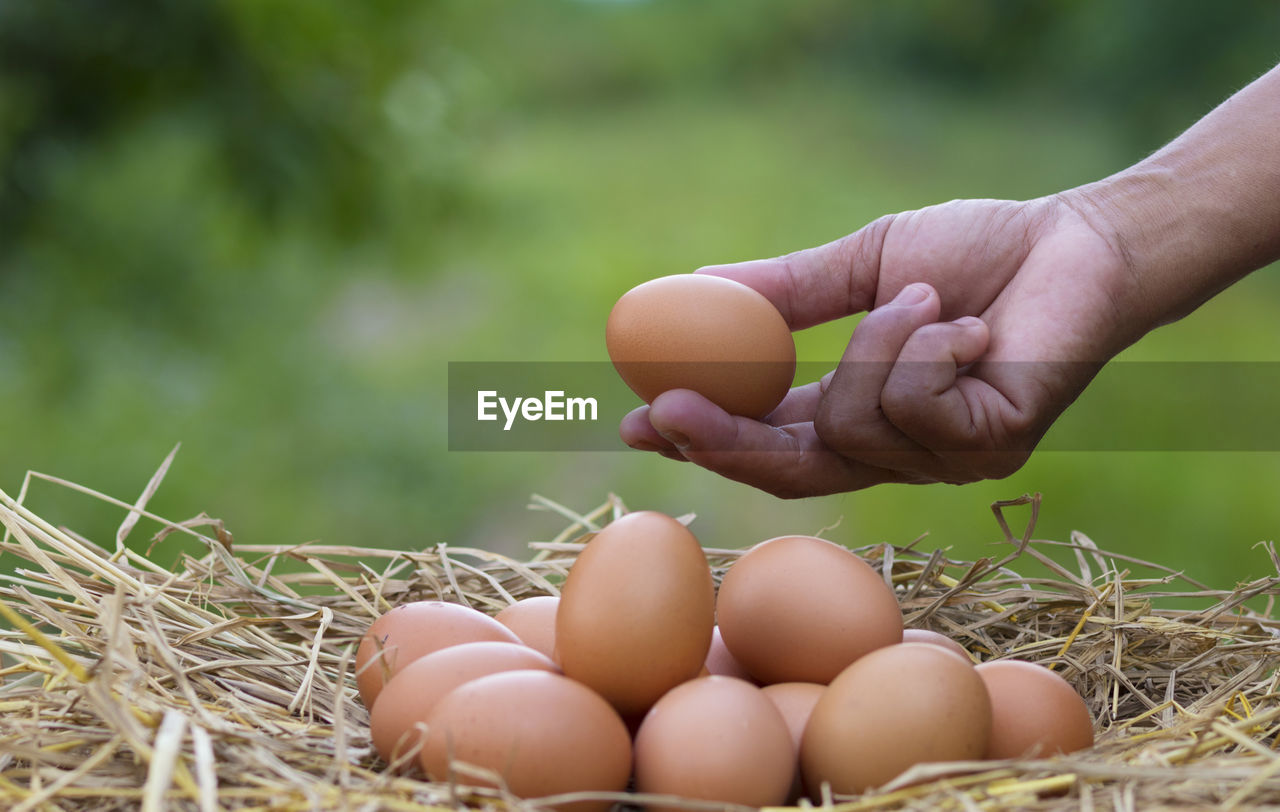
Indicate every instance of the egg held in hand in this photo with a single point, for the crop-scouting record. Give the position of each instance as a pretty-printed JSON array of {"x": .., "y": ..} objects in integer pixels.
[{"x": 706, "y": 333}]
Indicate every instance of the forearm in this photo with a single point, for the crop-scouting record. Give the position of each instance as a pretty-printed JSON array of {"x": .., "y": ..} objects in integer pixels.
[{"x": 1200, "y": 213}]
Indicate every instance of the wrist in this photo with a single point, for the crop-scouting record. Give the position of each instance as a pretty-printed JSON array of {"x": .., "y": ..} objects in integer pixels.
[
  {"x": 1180, "y": 239},
  {"x": 1200, "y": 213},
  {"x": 1137, "y": 214}
]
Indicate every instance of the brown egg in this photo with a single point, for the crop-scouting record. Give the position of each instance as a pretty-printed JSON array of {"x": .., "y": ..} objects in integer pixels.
[
  {"x": 636, "y": 611},
  {"x": 795, "y": 701},
  {"x": 715, "y": 336},
  {"x": 896, "y": 707},
  {"x": 534, "y": 622},
  {"x": 934, "y": 638},
  {"x": 1035, "y": 713},
  {"x": 801, "y": 609},
  {"x": 414, "y": 630},
  {"x": 395, "y": 723},
  {"x": 716, "y": 739},
  {"x": 543, "y": 733},
  {"x": 720, "y": 661}
]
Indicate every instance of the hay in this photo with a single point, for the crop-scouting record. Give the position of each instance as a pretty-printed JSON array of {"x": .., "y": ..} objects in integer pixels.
[{"x": 225, "y": 682}]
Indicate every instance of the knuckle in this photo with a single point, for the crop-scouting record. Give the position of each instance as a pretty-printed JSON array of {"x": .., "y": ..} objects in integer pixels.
[
  {"x": 827, "y": 426},
  {"x": 862, "y": 250},
  {"x": 1019, "y": 428},
  {"x": 900, "y": 403},
  {"x": 839, "y": 432},
  {"x": 875, "y": 323},
  {"x": 931, "y": 343}
]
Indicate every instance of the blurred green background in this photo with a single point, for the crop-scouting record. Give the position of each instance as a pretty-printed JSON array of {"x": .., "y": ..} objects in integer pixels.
[{"x": 263, "y": 227}]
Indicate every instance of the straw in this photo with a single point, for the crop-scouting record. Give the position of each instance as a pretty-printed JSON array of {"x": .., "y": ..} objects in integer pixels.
[{"x": 226, "y": 682}]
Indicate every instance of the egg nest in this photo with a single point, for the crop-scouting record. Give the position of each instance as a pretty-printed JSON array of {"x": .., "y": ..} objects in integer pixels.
[{"x": 226, "y": 681}]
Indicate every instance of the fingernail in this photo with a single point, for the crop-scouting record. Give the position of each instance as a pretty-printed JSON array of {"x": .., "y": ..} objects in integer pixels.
[
  {"x": 676, "y": 438},
  {"x": 970, "y": 322},
  {"x": 911, "y": 295}
]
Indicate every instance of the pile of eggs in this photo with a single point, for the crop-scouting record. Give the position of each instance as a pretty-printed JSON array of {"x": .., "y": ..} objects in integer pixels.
[{"x": 796, "y": 674}]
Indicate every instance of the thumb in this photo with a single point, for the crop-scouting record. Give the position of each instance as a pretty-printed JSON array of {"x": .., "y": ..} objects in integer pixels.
[{"x": 817, "y": 284}]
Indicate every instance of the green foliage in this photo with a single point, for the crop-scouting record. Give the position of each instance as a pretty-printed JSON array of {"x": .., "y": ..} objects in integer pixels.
[{"x": 262, "y": 228}]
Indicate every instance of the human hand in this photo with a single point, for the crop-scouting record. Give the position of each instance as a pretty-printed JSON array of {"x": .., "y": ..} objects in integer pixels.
[{"x": 987, "y": 318}]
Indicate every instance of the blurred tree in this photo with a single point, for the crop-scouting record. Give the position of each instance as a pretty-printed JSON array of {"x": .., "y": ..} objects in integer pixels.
[
  {"x": 183, "y": 172},
  {"x": 261, "y": 226},
  {"x": 284, "y": 91},
  {"x": 294, "y": 96},
  {"x": 1154, "y": 65}
]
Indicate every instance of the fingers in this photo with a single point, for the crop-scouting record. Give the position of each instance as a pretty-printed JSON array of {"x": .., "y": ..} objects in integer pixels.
[
  {"x": 850, "y": 417},
  {"x": 971, "y": 428},
  {"x": 637, "y": 432},
  {"x": 918, "y": 414},
  {"x": 788, "y": 461},
  {"x": 925, "y": 398},
  {"x": 817, "y": 284},
  {"x": 896, "y": 409},
  {"x": 797, "y": 407}
]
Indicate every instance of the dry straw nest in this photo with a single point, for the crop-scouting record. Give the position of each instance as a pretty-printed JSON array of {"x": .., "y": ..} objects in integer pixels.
[{"x": 225, "y": 682}]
